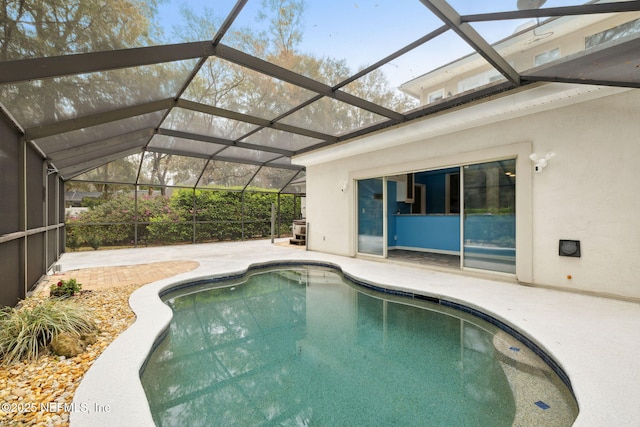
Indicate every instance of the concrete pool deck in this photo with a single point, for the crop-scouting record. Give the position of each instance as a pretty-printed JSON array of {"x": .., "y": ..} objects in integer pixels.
[{"x": 595, "y": 340}]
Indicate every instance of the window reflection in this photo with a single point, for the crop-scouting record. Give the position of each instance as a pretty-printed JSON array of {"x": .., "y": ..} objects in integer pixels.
[{"x": 489, "y": 216}]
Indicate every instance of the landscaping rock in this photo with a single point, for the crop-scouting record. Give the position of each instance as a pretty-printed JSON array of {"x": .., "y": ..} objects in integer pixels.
[
  {"x": 70, "y": 345},
  {"x": 67, "y": 344},
  {"x": 44, "y": 388},
  {"x": 50, "y": 381}
]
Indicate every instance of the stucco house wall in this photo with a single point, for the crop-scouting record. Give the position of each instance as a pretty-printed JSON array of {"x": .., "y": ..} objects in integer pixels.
[{"x": 588, "y": 192}]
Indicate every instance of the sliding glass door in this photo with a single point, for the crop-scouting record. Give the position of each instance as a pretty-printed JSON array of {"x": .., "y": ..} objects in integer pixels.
[
  {"x": 485, "y": 236},
  {"x": 489, "y": 194},
  {"x": 371, "y": 216}
]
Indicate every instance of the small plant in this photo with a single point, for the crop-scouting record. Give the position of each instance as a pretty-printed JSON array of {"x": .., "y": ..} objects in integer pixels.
[
  {"x": 65, "y": 288},
  {"x": 24, "y": 331}
]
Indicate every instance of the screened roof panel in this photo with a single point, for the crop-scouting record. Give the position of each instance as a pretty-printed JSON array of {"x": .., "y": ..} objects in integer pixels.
[
  {"x": 96, "y": 133},
  {"x": 183, "y": 21},
  {"x": 272, "y": 178},
  {"x": 96, "y": 151},
  {"x": 206, "y": 124},
  {"x": 297, "y": 185},
  {"x": 247, "y": 155},
  {"x": 465, "y": 7},
  {"x": 266, "y": 80},
  {"x": 521, "y": 32},
  {"x": 599, "y": 64},
  {"x": 225, "y": 85},
  {"x": 48, "y": 28},
  {"x": 40, "y": 102},
  {"x": 335, "y": 34},
  {"x": 227, "y": 175},
  {"x": 281, "y": 139},
  {"x": 332, "y": 117},
  {"x": 392, "y": 98},
  {"x": 282, "y": 161},
  {"x": 122, "y": 170},
  {"x": 427, "y": 63},
  {"x": 184, "y": 145},
  {"x": 533, "y": 43},
  {"x": 168, "y": 169}
]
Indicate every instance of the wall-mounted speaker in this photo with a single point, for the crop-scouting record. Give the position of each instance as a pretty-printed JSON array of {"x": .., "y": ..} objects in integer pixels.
[{"x": 569, "y": 248}]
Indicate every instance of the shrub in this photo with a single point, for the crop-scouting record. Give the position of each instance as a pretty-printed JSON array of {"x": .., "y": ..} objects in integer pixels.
[
  {"x": 218, "y": 214},
  {"x": 94, "y": 241},
  {"x": 65, "y": 288},
  {"x": 116, "y": 217},
  {"x": 73, "y": 241},
  {"x": 25, "y": 331}
]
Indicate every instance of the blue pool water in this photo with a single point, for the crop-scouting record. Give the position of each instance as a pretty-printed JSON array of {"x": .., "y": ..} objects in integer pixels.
[{"x": 303, "y": 346}]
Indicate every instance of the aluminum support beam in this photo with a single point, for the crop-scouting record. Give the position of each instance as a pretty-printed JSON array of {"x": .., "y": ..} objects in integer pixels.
[
  {"x": 215, "y": 111},
  {"x": 55, "y": 66},
  {"x": 97, "y": 119},
  {"x": 97, "y": 154},
  {"x": 586, "y": 9},
  {"x": 237, "y": 57},
  {"x": 79, "y": 169},
  {"x": 222, "y": 158},
  {"x": 221, "y": 141},
  {"x": 612, "y": 64},
  {"x": 450, "y": 17}
]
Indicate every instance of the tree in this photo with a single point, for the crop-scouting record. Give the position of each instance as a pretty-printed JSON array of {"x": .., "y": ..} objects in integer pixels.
[
  {"x": 285, "y": 23},
  {"x": 39, "y": 28},
  {"x": 121, "y": 170}
]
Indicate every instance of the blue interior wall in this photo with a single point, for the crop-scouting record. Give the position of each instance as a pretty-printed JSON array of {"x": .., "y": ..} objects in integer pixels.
[
  {"x": 433, "y": 231},
  {"x": 435, "y": 193},
  {"x": 436, "y": 232},
  {"x": 435, "y": 183}
]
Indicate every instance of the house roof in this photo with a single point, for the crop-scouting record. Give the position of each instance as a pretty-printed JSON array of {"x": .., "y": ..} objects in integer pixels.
[{"x": 266, "y": 87}]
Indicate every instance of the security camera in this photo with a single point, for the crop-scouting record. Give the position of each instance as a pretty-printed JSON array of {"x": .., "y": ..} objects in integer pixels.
[{"x": 540, "y": 162}]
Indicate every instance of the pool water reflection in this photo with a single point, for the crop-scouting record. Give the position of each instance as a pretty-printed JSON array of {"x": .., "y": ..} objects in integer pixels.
[{"x": 304, "y": 346}]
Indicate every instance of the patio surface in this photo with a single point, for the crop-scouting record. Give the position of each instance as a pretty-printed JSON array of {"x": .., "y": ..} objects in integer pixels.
[
  {"x": 116, "y": 276},
  {"x": 595, "y": 340}
]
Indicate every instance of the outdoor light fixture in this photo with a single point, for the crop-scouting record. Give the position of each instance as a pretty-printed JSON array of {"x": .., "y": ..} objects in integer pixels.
[{"x": 541, "y": 162}]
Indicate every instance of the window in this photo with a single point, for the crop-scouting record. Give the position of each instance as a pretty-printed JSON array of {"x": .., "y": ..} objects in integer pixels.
[
  {"x": 611, "y": 34},
  {"x": 471, "y": 83},
  {"x": 435, "y": 96},
  {"x": 478, "y": 80},
  {"x": 545, "y": 57}
]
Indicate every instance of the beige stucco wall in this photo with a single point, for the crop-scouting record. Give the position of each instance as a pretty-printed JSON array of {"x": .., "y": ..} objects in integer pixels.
[{"x": 589, "y": 191}]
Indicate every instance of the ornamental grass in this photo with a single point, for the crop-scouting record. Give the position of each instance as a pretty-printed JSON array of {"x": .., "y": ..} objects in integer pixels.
[{"x": 25, "y": 331}]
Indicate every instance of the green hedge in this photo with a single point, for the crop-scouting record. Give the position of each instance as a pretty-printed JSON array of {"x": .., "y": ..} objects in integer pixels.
[{"x": 218, "y": 215}]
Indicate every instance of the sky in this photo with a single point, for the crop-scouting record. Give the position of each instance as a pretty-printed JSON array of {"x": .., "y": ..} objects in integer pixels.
[{"x": 364, "y": 31}]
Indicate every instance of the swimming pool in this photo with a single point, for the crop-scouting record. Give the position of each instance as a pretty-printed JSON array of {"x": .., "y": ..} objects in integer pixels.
[{"x": 306, "y": 346}]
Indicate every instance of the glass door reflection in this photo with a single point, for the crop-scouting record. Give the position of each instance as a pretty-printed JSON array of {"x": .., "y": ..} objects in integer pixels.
[
  {"x": 490, "y": 216},
  {"x": 371, "y": 216}
]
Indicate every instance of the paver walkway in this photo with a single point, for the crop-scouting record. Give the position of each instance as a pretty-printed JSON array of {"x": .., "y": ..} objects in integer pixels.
[{"x": 106, "y": 277}]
